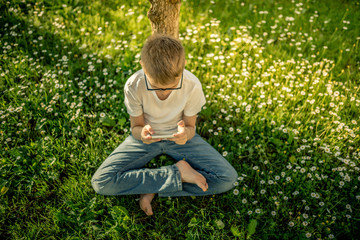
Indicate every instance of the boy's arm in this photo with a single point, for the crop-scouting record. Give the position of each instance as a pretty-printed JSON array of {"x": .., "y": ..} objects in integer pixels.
[
  {"x": 137, "y": 124},
  {"x": 140, "y": 131},
  {"x": 190, "y": 123},
  {"x": 186, "y": 130}
]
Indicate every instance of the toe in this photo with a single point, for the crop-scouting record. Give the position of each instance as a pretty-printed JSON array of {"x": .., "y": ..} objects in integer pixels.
[
  {"x": 148, "y": 211},
  {"x": 203, "y": 186}
]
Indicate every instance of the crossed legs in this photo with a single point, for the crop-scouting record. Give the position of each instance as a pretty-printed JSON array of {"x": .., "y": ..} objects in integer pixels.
[{"x": 204, "y": 172}]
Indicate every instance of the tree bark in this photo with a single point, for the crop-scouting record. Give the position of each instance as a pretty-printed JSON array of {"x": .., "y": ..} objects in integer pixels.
[{"x": 164, "y": 16}]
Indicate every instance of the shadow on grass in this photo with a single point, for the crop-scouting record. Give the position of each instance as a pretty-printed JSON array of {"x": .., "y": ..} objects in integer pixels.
[
  {"x": 68, "y": 201},
  {"x": 63, "y": 203},
  {"x": 34, "y": 197}
]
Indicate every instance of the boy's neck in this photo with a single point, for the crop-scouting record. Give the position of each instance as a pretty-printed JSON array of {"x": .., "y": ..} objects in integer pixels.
[{"x": 163, "y": 95}]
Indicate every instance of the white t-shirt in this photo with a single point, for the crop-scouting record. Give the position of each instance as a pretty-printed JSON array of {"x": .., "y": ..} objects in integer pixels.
[{"x": 163, "y": 115}]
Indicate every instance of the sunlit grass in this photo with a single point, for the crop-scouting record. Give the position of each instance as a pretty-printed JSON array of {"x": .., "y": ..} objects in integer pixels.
[{"x": 281, "y": 79}]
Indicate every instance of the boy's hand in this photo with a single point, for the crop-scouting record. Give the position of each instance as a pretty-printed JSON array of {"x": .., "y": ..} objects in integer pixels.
[
  {"x": 181, "y": 136},
  {"x": 145, "y": 135}
]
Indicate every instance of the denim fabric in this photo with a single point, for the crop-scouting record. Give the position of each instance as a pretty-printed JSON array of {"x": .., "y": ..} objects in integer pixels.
[{"x": 122, "y": 173}]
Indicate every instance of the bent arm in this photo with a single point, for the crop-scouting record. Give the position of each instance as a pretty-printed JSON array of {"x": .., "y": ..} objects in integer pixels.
[
  {"x": 190, "y": 123},
  {"x": 137, "y": 124}
]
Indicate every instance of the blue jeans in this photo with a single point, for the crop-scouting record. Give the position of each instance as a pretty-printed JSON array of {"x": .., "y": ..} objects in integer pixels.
[{"x": 122, "y": 173}]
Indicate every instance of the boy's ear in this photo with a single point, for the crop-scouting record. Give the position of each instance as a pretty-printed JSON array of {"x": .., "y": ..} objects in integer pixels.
[{"x": 140, "y": 62}]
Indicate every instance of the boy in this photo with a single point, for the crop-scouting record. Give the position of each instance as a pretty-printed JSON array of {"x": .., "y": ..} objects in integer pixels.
[{"x": 163, "y": 98}]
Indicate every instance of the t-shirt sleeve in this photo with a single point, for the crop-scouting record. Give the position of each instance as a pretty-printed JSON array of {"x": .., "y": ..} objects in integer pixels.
[
  {"x": 195, "y": 102},
  {"x": 132, "y": 102}
]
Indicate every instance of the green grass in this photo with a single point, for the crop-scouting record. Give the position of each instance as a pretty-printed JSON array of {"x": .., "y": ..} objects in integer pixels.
[{"x": 281, "y": 80}]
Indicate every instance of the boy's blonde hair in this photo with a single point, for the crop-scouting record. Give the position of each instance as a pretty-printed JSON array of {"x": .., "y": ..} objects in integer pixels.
[{"x": 163, "y": 58}]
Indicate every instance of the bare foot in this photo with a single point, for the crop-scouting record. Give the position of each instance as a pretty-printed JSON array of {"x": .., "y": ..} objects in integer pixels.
[
  {"x": 190, "y": 175},
  {"x": 145, "y": 203}
]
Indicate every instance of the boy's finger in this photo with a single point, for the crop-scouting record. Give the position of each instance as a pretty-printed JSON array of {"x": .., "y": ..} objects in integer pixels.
[
  {"x": 181, "y": 123},
  {"x": 149, "y": 129},
  {"x": 179, "y": 134}
]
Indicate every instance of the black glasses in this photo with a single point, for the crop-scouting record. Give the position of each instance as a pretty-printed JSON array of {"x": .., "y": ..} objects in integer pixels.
[{"x": 163, "y": 89}]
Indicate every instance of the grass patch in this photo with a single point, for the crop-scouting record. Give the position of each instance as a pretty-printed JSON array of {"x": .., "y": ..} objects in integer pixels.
[{"x": 281, "y": 79}]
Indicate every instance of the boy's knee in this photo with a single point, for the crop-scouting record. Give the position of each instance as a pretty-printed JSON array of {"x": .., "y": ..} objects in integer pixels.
[
  {"x": 100, "y": 187},
  {"x": 95, "y": 184},
  {"x": 234, "y": 175},
  {"x": 230, "y": 174},
  {"x": 229, "y": 178}
]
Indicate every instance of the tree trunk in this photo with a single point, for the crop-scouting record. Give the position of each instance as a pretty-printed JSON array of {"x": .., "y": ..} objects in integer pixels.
[{"x": 164, "y": 16}]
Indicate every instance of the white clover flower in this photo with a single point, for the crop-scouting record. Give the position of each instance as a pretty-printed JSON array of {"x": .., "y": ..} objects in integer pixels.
[
  {"x": 258, "y": 210},
  {"x": 262, "y": 191},
  {"x": 347, "y": 178},
  {"x": 249, "y": 212},
  {"x": 273, "y": 213},
  {"x": 236, "y": 191},
  {"x": 244, "y": 201},
  {"x": 102, "y": 114},
  {"x": 308, "y": 235},
  {"x": 291, "y": 224}
]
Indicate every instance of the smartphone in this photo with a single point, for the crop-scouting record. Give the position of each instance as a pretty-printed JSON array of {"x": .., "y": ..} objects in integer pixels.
[{"x": 162, "y": 136}]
